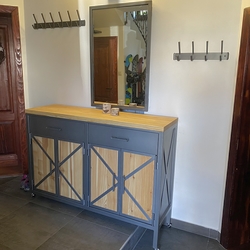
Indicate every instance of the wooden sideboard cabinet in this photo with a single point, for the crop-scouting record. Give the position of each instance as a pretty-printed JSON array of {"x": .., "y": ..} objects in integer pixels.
[{"x": 119, "y": 166}]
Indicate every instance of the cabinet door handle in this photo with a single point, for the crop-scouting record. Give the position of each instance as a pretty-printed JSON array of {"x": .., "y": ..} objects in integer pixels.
[
  {"x": 124, "y": 179},
  {"x": 113, "y": 182},
  {"x": 54, "y": 128},
  {"x": 119, "y": 138}
]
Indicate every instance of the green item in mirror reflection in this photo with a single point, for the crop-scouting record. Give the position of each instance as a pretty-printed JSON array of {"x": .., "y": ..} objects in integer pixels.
[{"x": 135, "y": 69}]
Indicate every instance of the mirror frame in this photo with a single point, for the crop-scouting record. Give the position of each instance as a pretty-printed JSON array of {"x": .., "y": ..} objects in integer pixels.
[{"x": 97, "y": 104}]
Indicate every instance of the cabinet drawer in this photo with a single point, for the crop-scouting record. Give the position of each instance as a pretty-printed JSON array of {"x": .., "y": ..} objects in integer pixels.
[
  {"x": 57, "y": 128},
  {"x": 129, "y": 139}
]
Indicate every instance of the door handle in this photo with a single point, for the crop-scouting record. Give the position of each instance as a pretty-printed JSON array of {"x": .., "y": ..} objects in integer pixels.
[
  {"x": 113, "y": 182},
  {"x": 119, "y": 138},
  {"x": 54, "y": 128}
]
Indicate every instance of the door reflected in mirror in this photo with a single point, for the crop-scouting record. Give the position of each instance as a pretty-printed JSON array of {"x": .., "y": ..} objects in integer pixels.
[{"x": 120, "y": 42}]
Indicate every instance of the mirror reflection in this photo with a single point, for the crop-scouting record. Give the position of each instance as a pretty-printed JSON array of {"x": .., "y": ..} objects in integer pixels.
[{"x": 120, "y": 54}]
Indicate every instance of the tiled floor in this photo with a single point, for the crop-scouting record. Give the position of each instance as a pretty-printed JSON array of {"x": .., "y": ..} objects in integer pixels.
[{"x": 28, "y": 223}]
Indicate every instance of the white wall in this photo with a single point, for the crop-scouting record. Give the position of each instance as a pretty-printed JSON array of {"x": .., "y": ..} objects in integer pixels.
[
  {"x": 200, "y": 93},
  {"x": 54, "y": 63}
]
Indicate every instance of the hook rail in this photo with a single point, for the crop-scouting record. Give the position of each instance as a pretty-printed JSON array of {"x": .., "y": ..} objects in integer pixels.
[
  {"x": 201, "y": 56},
  {"x": 60, "y": 24}
]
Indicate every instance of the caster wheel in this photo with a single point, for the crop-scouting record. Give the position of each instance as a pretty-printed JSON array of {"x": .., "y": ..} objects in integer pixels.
[
  {"x": 169, "y": 225},
  {"x": 33, "y": 195}
]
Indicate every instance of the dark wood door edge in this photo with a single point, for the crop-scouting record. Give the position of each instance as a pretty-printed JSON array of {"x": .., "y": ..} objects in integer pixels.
[{"x": 242, "y": 65}]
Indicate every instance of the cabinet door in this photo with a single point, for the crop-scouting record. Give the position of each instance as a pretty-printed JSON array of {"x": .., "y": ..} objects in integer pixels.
[
  {"x": 70, "y": 168},
  {"x": 138, "y": 177},
  {"x": 44, "y": 164},
  {"x": 103, "y": 177}
]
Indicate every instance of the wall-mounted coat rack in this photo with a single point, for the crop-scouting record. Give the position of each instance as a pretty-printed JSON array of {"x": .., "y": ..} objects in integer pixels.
[
  {"x": 201, "y": 56},
  {"x": 61, "y": 24}
]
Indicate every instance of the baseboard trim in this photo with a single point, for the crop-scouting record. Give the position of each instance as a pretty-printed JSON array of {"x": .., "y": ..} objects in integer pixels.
[{"x": 192, "y": 228}]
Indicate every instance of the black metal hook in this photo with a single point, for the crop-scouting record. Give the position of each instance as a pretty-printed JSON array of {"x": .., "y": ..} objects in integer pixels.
[
  {"x": 44, "y": 25},
  {"x": 78, "y": 23},
  {"x": 221, "y": 52},
  {"x": 52, "y": 20},
  {"x": 69, "y": 20},
  {"x": 179, "y": 49},
  {"x": 60, "y": 19},
  {"x": 35, "y": 21},
  {"x": 206, "y": 51},
  {"x": 191, "y": 57}
]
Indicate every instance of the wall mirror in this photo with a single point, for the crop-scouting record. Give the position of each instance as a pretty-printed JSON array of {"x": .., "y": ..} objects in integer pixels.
[{"x": 120, "y": 49}]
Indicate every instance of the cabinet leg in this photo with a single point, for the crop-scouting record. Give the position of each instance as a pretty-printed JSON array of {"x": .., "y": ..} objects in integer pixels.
[{"x": 155, "y": 240}]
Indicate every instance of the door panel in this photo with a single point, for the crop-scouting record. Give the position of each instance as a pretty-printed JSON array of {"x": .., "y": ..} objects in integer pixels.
[
  {"x": 137, "y": 197},
  {"x": 7, "y": 129},
  {"x": 13, "y": 141},
  {"x": 44, "y": 164},
  {"x": 70, "y": 170},
  {"x": 104, "y": 177},
  {"x": 105, "y": 69}
]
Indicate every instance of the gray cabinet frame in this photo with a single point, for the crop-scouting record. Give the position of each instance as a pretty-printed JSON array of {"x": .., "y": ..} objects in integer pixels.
[{"x": 163, "y": 148}]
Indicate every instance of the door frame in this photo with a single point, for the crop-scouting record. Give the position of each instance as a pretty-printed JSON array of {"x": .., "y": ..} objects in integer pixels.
[
  {"x": 12, "y": 11},
  {"x": 244, "y": 57}
]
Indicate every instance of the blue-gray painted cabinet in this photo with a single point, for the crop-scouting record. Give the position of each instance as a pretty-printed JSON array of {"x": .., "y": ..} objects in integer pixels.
[
  {"x": 120, "y": 166},
  {"x": 56, "y": 158}
]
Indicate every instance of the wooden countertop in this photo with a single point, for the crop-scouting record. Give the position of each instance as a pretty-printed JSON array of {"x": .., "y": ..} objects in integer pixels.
[{"x": 125, "y": 119}]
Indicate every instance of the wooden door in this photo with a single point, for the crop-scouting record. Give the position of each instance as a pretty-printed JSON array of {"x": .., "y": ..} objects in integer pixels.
[
  {"x": 43, "y": 152},
  {"x": 105, "y": 69},
  {"x": 138, "y": 179},
  {"x": 70, "y": 168},
  {"x": 235, "y": 232},
  {"x": 13, "y": 141},
  {"x": 104, "y": 178}
]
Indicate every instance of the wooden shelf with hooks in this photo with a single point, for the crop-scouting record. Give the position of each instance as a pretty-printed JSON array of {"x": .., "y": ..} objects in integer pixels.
[{"x": 60, "y": 24}]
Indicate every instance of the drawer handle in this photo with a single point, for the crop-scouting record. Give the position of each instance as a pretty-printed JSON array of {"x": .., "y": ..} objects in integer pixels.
[
  {"x": 119, "y": 138},
  {"x": 54, "y": 128}
]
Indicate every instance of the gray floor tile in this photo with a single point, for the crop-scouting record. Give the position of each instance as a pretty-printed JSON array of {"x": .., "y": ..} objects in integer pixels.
[
  {"x": 5, "y": 179},
  {"x": 81, "y": 234},
  {"x": 214, "y": 245},
  {"x": 30, "y": 226},
  {"x": 2, "y": 247},
  {"x": 57, "y": 206},
  {"x": 28, "y": 223},
  {"x": 107, "y": 222},
  {"x": 9, "y": 205},
  {"x": 12, "y": 188}
]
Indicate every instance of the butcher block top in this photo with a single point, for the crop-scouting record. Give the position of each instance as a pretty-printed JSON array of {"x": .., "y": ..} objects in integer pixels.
[{"x": 125, "y": 119}]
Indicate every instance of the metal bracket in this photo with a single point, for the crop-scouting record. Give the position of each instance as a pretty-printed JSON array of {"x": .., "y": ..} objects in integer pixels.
[
  {"x": 201, "y": 56},
  {"x": 60, "y": 24}
]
